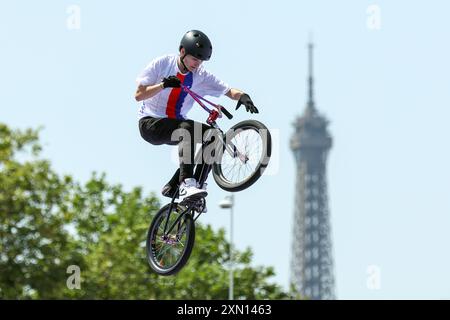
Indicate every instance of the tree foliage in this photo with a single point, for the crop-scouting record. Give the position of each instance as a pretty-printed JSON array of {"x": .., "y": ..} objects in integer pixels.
[{"x": 49, "y": 222}]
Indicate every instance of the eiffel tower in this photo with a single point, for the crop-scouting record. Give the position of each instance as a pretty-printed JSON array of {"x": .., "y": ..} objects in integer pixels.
[{"x": 311, "y": 257}]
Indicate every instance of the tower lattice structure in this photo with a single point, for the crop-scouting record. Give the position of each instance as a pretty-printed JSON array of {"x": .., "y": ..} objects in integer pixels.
[{"x": 312, "y": 272}]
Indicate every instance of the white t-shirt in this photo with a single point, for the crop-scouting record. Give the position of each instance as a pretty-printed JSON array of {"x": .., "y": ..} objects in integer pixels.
[{"x": 173, "y": 102}]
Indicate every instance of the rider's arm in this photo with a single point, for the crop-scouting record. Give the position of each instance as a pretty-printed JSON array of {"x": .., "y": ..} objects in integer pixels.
[
  {"x": 145, "y": 92},
  {"x": 234, "y": 94}
]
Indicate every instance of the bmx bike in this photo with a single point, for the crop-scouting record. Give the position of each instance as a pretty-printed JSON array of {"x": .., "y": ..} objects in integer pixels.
[{"x": 240, "y": 157}]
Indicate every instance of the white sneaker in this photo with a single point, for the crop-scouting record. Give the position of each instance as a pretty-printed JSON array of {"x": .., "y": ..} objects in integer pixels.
[{"x": 188, "y": 189}]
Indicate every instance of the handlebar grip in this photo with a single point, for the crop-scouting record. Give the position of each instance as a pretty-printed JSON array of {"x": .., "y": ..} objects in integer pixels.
[{"x": 225, "y": 111}]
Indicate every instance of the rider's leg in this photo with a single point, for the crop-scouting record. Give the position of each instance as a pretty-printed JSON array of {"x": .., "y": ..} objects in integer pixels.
[
  {"x": 170, "y": 187},
  {"x": 164, "y": 131},
  {"x": 196, "y": 132},
  {"x": 159, "y": 131},
  {"x": 186, "y": 149},
  {"x": 202, "y": 171}
]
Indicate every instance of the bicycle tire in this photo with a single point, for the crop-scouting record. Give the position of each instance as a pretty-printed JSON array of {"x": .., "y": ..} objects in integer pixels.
[
  {"x": 263, "y": 162},
  {"x": 150, "y": 244}
]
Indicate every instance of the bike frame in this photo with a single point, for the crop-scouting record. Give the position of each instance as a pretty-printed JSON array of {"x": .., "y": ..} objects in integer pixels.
[{"x": 226, "y": 145}]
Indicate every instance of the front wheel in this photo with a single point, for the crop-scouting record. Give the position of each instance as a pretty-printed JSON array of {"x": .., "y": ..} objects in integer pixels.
[
  {"x": 248, "y": 147},
  {"x": 169, "y": 246}
]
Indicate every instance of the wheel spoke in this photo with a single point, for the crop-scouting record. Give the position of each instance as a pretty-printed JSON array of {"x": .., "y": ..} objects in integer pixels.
[
  {"x": 248, "y": 142},
  {"x": 168, "y": 250}
]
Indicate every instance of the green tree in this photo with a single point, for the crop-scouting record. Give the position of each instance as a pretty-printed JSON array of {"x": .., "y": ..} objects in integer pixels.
[
  {"x": 48, "y": 223},
  {"x": 34, "y": 244}
]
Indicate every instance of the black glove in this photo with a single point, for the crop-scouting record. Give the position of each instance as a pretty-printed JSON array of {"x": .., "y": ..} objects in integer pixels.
[
  {"x": 248, "y": 103},
  {"x": 171, "y": 82}
]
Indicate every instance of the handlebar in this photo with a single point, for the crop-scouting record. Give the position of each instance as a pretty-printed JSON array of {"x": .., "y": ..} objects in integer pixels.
[{"x": 225, "y": 111}]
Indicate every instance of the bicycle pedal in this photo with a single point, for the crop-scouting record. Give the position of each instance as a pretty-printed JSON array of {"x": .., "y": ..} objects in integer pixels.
[
  {"x": 191, "y": 201},
  {"x": 200, "y": 205}
]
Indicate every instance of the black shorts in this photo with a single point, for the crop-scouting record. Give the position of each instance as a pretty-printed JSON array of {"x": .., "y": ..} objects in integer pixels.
[{"x": 159, "y": 131}]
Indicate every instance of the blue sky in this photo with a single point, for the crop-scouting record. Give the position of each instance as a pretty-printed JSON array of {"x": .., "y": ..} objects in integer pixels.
[{"x": 385, "y": 92}]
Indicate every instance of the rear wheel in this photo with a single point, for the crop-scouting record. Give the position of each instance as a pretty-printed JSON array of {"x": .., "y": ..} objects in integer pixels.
[
  {"x": 246, "y": 156},
  {"x": 168, "y": 253}
]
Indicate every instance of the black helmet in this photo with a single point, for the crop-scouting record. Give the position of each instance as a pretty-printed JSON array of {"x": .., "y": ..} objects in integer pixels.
[{"x": 197, "y": 43}]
